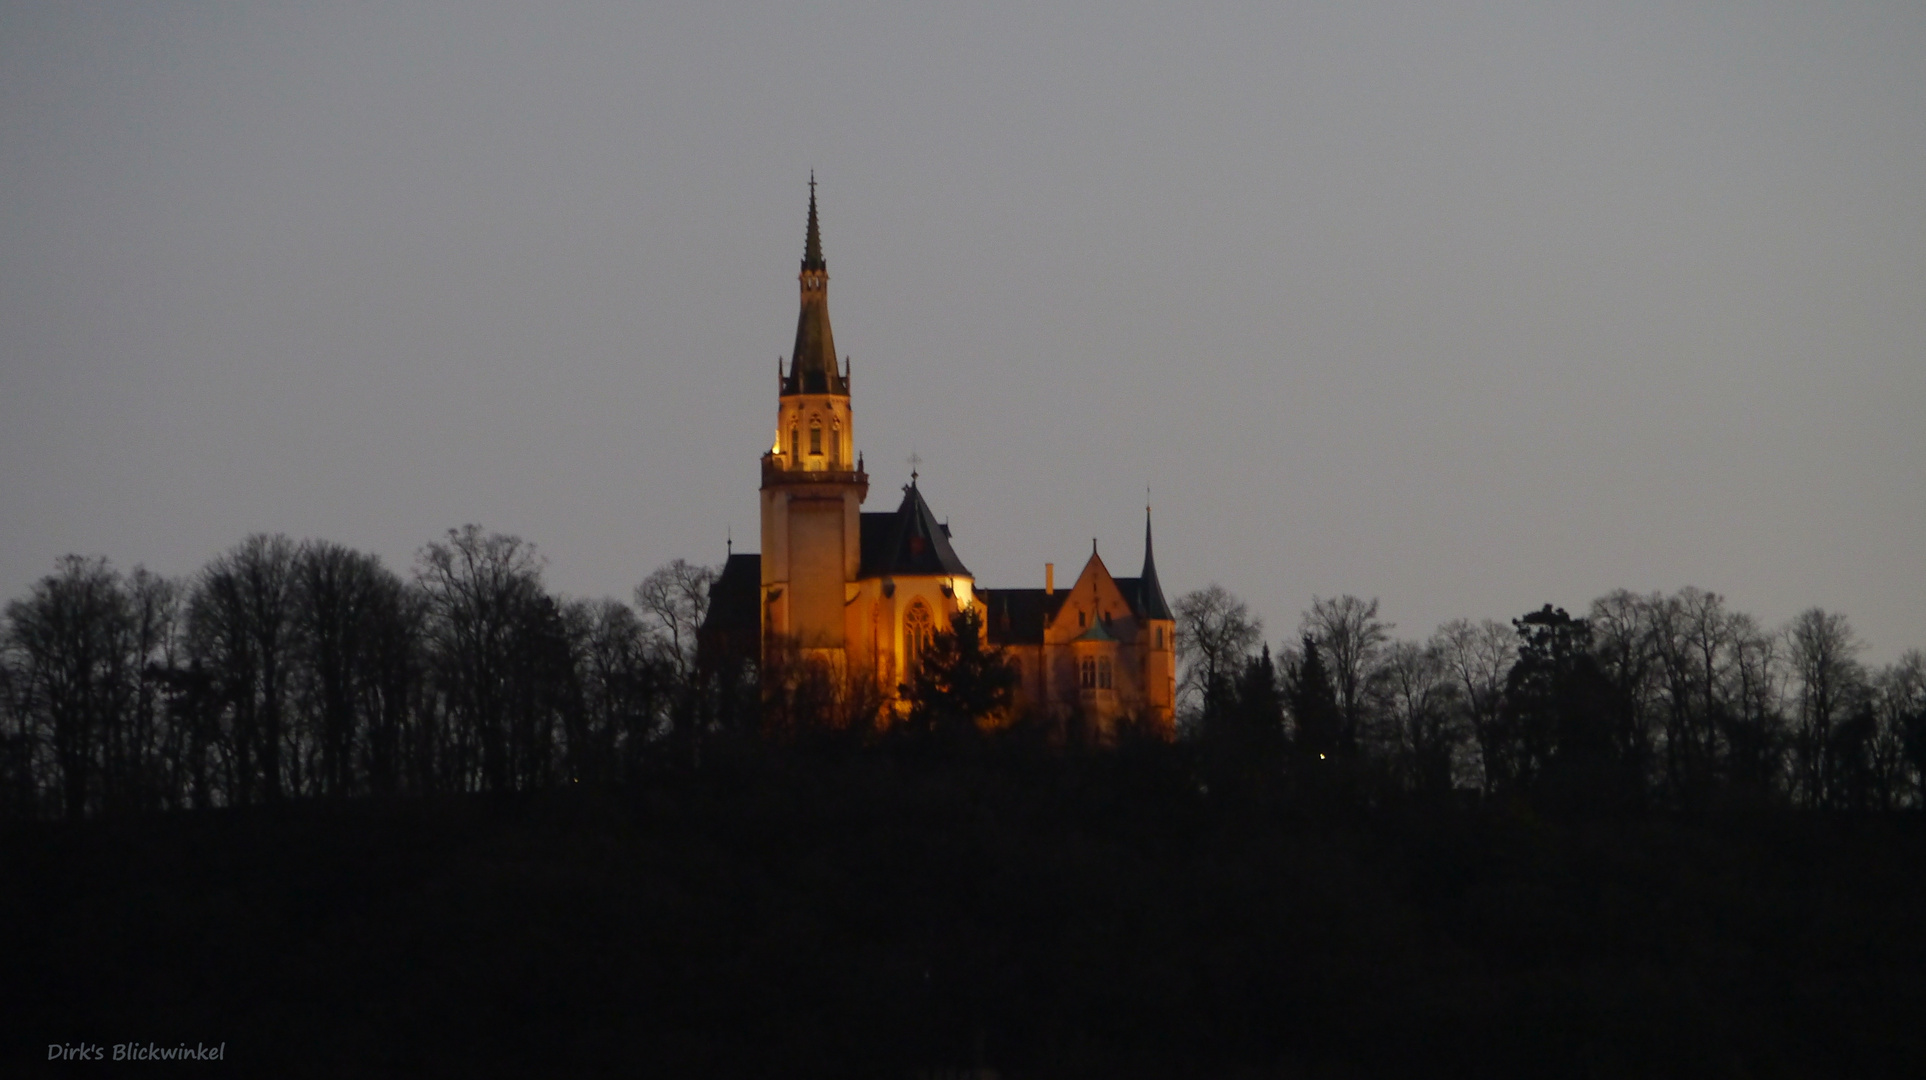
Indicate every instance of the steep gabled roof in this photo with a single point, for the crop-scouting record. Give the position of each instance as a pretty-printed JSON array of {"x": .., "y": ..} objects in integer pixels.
[
  {"x": 734, "y": 593},
  {"x": 1018, "y": 616},
  {"x": 733, "y": 626},
  {"x": 912, "y": 542}
]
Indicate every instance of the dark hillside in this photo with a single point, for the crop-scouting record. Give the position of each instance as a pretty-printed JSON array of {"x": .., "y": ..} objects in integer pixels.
[{"x": 880, "y": 913}]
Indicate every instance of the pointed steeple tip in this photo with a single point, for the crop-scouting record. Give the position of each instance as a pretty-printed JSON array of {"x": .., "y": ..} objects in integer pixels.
[
  {"x": 812, "y": 364},
  {"x": 813, "y": 242},
  {"x": 1151, "y": 590}
]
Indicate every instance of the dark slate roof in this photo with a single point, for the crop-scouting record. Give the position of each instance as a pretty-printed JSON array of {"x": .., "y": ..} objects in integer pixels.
[
  {"x": 812, "y": 365},
  {"x": 1018, "y": 616},
  {"x": 878, "y": 526},
  {"x": 1133, "y": 594},
  {"x": 733, "y": 599},
  {"x": 1149, "y": 598},
  {"x": 909, "y": 541}
]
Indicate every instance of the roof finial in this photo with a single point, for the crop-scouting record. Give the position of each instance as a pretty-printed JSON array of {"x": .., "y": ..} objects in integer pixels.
[
  {"x": 915, "y": 461},
  {"x": 729, "y": 537}
]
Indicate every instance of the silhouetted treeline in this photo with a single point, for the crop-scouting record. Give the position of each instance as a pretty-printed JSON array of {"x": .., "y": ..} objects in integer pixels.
[
  {"x": 1365, "y": 856},
  {"x": 1648, "y": 701},
  {"x": 309, "y": 670}
]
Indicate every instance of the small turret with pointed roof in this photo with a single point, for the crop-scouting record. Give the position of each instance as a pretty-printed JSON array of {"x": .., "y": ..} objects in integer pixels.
[{"x": 812, "y": 366}]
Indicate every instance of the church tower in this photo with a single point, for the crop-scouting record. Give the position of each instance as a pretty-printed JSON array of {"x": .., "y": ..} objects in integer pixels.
[{"x": 813, "y": 483}]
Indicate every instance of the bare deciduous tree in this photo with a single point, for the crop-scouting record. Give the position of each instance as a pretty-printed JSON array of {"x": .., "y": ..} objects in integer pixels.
[
  {"x": 1625, "y": 646},
  {"x": 154, "y": 610},
  {"x": 1423, "y": 727},
  {"x": 1901, "y": 697},
  {"x": 241, "y": 624},
  {"x": 1479, "y": 658},
  {"x": 673, "y": 600},
  {"x": 1822, "y": 649},
  {"x": 481, "y": 591},
  {"x": 71, "y": 635},
  {"x": 1216, "y": 635},
  {"x": 1755, "y": 745},
  {"x": 623, "y": 688},
  {"x": 1351, "y": 636},
  {"x": 339, "y": 595}
]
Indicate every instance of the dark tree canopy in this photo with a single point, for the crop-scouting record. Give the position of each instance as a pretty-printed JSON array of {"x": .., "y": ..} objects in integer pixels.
[{"x": 961, "y": 682}]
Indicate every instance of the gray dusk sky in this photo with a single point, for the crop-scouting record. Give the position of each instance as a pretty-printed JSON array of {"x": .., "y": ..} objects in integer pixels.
[{"x": 1467, "y": 306}]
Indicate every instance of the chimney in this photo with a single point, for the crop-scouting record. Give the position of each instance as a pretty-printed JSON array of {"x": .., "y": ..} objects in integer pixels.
[{"x": 1049, "y": 579}]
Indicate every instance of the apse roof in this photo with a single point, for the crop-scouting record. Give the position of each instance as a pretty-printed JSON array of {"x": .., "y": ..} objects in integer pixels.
[{"x": 909, "y": 541}]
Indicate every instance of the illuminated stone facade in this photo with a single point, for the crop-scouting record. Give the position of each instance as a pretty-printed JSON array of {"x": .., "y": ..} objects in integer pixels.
[{"x": 862, "y": 593}]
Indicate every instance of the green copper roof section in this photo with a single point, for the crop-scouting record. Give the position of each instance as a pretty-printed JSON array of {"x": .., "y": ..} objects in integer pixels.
[{"x": 1096, "y": 631}]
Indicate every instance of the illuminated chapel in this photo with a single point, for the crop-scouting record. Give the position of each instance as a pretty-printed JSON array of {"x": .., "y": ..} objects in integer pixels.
[{"x": 865, "y": 592}]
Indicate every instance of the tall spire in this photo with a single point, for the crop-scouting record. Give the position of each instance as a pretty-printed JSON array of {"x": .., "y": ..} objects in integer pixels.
[
  {"x": 813, "y": 243},
  {"x": 1152, "y": 592},
  {"x": 812, "y": 367}
]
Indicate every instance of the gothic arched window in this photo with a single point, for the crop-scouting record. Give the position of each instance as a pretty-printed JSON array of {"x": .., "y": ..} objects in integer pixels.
[
  {"x": 917, "y": 632},
  {"x": 835, "y": 444},
  {"x": 815, "y": 438},
  {"x": 795, "y": 447},
  {"x": 1103, "y": 673},
  {"x": 1087, "y": 673}
]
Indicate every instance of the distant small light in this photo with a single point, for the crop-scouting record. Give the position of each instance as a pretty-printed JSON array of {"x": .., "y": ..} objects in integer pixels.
[{"x": 1320, "y": 757}]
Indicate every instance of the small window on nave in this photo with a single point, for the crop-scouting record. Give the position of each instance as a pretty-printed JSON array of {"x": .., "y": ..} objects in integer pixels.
[
  {"x": 1087, "y": 673},
  {"x": 1103, "y": 673},
  {"x": 795, "y": 446}
]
